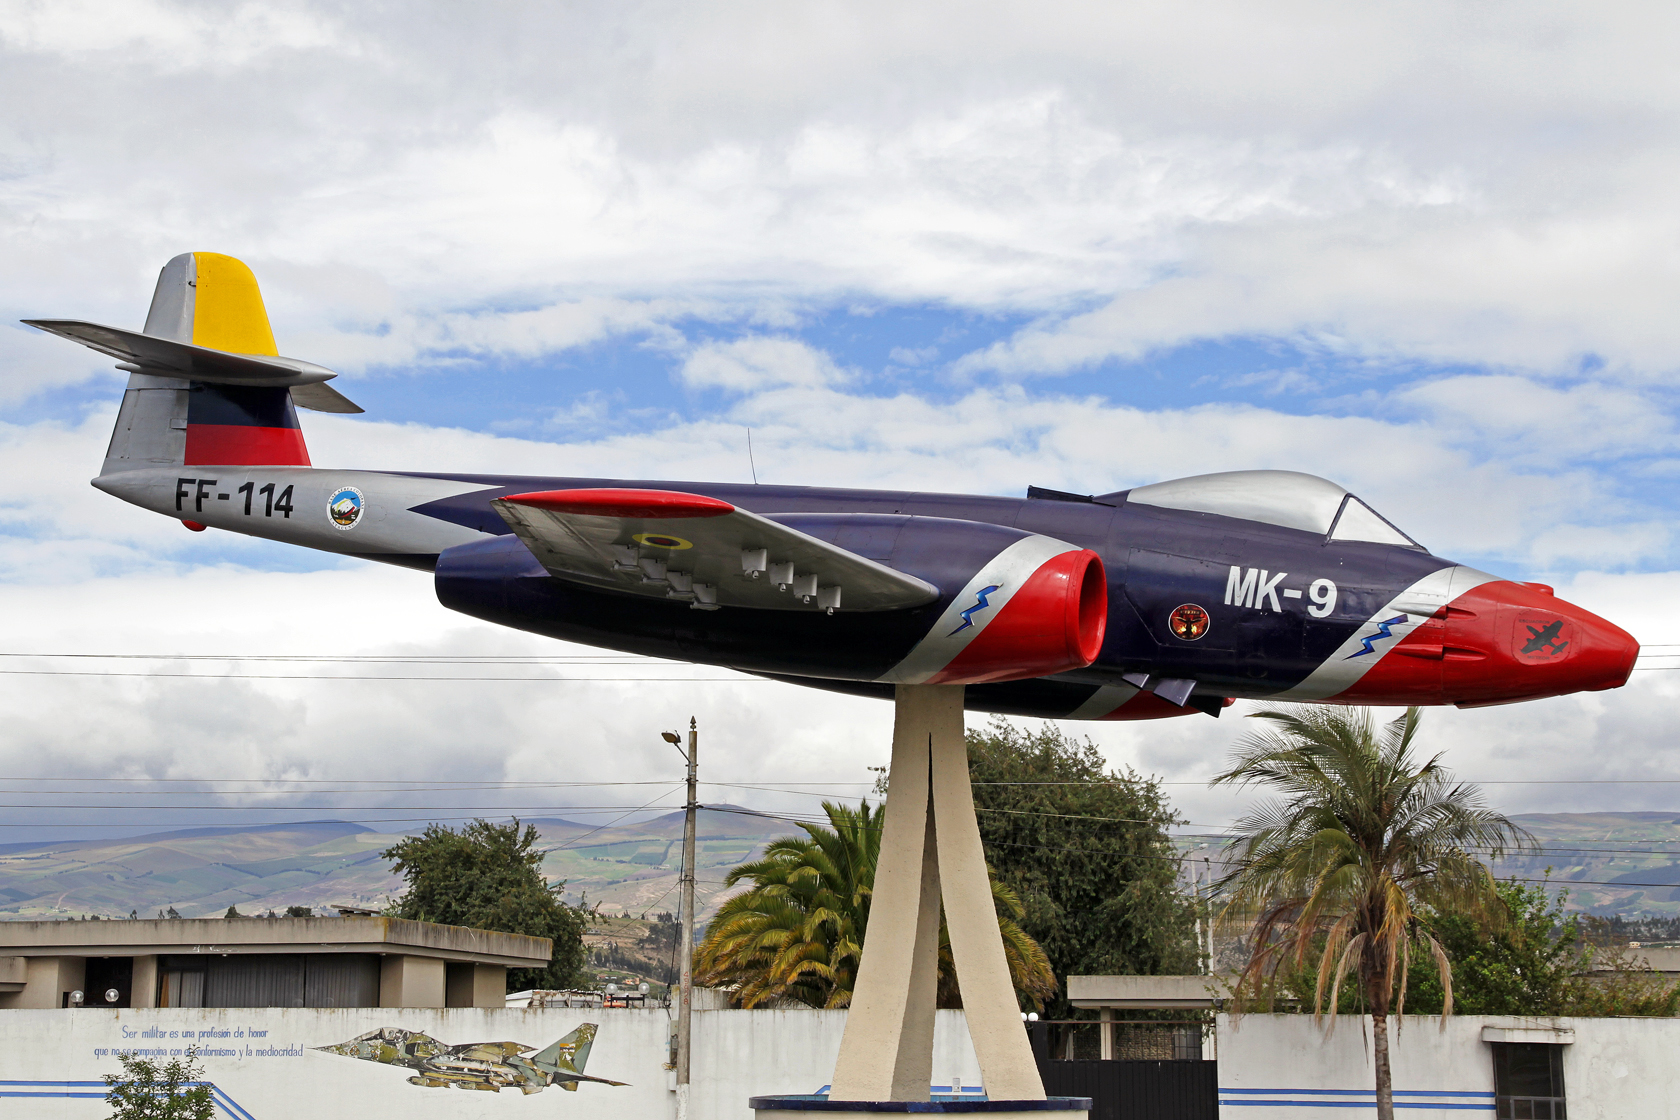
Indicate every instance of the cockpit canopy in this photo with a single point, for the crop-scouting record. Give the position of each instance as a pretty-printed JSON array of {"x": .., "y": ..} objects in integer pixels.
[{"x": 1287, "y": 498}]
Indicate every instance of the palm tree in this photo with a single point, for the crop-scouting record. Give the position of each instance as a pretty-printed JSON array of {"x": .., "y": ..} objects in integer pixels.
[
  {"x": 1362, "y": 843},
  {"x": 798, "y": 932}
]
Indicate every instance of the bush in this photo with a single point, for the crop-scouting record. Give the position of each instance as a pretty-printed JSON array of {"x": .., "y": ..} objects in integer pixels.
[{"x": 146, "y": 1090}]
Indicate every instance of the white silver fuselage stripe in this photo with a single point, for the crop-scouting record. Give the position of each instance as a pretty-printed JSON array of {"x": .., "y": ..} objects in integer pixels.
[
  {"x": 388, "y": 523},
  {"x": 1419, "y": 602},
  {"x": 1103, "y": 701},
  {"x": 1008, "y": 571}
]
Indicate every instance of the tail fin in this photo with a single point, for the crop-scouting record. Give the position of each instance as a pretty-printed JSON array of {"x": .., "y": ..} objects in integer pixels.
[
  {"x": 210, "y": 300},
  {"x": 206, "y": 385},
  {"x": 569, "y": 1054}
]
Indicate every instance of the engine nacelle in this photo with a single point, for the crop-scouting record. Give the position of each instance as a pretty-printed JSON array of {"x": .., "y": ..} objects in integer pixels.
[
  {"x": 1012, "y": 605},
  {"x": 1025, "y": 614}
]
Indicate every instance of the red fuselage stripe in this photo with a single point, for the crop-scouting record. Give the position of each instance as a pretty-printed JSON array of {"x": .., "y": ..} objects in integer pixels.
[
  {"x": 617, "y": 502},
  {"x": 238, "y": 446}
]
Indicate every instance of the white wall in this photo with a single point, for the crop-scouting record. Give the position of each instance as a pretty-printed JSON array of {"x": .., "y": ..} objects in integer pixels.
[
  {"x": 276, "y": 1075},
  {"x": 1615, "y": 1069}
]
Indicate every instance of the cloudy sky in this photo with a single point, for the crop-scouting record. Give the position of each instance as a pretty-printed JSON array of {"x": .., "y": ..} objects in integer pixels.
[{"x": 1427, "y": 250}]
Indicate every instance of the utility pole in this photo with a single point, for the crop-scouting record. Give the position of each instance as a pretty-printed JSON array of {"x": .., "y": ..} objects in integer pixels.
[
  {"x": 685, "y": 1011},
  {"x": 1207, "y": 904}
]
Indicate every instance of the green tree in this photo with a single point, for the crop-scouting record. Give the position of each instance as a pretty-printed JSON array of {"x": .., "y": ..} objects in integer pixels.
[
  {"x": 1526, "y": 966},
  {"x": 1363, "y": 843},
  {"x": 1086, "y": 850},
  {"x": 799, "y": 931},
  {"x": 1537, "y": 963},
  {"x": 488, "y": 876},
  {"x": 147, "y": 1090}
]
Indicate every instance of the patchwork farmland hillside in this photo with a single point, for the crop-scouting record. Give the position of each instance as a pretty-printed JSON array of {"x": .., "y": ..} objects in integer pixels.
[{"x": 627, "y": 869}]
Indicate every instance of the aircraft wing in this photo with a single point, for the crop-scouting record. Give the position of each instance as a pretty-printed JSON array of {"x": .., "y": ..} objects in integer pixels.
[
  {"x": 570, "y": 1080},
  {"x": 669, "y": 545}
]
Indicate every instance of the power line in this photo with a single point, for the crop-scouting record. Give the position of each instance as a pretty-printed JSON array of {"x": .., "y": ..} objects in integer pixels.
[
  {"x": 1190, "y": 858},
  {"x": 370, "y": 658},
  {"x": 610, "y": 823},
  {"x": 165, "y": 826},
  {"x": 780, "y": 787},
  {"x": 276, "y": 792},
  {"x": 348, "y": 808},
  {"x": 440, "y": 783},
  {"x": 362, "y": 677},
  {"x": 1460, "y": 781}
]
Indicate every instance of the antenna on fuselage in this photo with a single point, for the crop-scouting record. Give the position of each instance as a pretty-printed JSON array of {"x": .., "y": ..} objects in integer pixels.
[{"x": 750, "y": 461}]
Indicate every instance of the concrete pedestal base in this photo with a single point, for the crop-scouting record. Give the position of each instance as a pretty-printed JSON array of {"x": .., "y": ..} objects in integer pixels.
[
  {"x": 778, "y": 1108},
  {"x": 931, "y": 858}
]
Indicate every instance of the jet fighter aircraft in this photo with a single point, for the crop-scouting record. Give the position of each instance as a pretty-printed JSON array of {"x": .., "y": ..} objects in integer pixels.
[
  {"x": 491, "y": 1066},
  {"x": 1161, "y": 600}
]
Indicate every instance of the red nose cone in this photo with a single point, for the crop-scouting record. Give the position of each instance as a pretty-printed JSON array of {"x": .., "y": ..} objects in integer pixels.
[{"x": 1510, "y": 641}]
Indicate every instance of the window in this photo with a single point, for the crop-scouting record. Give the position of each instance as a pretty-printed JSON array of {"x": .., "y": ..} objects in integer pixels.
[
  {"x": 1359, "y": 522},
  {"x": 1528, "y": 1081},
  {"x": 181, "y": 982},
  {"x": 270, "y": 980},
  {"x": 1287, "y": 498},
  {"x": 105, "y": 975}
]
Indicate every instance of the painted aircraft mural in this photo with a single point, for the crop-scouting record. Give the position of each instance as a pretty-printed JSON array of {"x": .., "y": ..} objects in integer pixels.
[
  {"x": 1162, "y": 600},
  {"x": 487, "y": 1066}
]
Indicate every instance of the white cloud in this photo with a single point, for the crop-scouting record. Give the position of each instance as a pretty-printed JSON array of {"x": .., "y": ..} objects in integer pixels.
[
  {"x": 207, "y": 727},
  {"x": 757, "y": 362},
  {"x": 1415, "y": 187},
  {"x": 150, "y": 33}
]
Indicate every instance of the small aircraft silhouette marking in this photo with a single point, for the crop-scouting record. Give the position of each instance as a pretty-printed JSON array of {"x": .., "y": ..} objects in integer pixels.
[{"x": 1543, "y": 640}]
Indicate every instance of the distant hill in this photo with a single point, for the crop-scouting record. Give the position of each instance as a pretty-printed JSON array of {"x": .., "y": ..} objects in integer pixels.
[
  {"x": 1611, "y": 863},
  {"x": 1627, "y": 850},
  {"x": 200, "y": 872},
  {"x": 633, "y": 869}
]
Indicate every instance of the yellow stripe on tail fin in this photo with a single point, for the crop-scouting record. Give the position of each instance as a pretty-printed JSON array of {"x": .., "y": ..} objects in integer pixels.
[{"x": 229, "y": 313}]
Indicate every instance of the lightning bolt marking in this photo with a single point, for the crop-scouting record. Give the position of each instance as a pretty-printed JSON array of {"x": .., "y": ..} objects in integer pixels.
[
  {"x": 1366, "y": 642},
  {"x": 980, "y": 605}
]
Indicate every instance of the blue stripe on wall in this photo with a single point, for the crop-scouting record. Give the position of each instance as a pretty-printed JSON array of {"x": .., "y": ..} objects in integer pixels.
[
  {"x": 97, "y": 1090},
  {"x": 1372, "y": 1093},
  {"x": 1488, "y": 1107},
  {"x": 1462, "y": 1100}
]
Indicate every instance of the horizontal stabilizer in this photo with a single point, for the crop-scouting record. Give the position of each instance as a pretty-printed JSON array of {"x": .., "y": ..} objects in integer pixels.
[
  {"x": 143, "y": 353},
  {"x": 699, "y": 550},
  {"x": 321, "y": 397}
]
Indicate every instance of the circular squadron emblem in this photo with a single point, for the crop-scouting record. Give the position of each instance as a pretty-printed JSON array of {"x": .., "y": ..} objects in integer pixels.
[
  {"x": 1188, "y": 622},
  {"x": 662, "y": 540},
  {"x": 345, "y": 507}
]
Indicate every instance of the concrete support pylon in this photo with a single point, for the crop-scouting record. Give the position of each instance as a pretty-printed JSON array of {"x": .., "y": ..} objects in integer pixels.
[{"x": 930, "y": 852}]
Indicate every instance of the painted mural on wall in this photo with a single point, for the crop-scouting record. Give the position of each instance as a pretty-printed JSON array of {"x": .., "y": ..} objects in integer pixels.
[{"x": 477, "y": 1065}]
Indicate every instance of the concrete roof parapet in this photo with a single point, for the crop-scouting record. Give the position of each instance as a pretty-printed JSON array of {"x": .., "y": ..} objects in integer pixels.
[
  {"x": 1138, "y": 992},
  {"x": 147, "y": 936}
]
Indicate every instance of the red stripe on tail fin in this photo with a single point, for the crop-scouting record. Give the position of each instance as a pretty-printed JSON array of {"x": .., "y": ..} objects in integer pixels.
[{"x": 235, "y": 445}]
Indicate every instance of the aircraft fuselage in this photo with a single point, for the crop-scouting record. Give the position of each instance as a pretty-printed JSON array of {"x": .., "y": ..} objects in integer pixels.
[{"x": 1214, "y": 606}]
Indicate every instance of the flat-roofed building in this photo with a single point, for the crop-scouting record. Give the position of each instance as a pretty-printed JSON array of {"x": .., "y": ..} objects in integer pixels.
[{"x": 259, "y": 962}]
